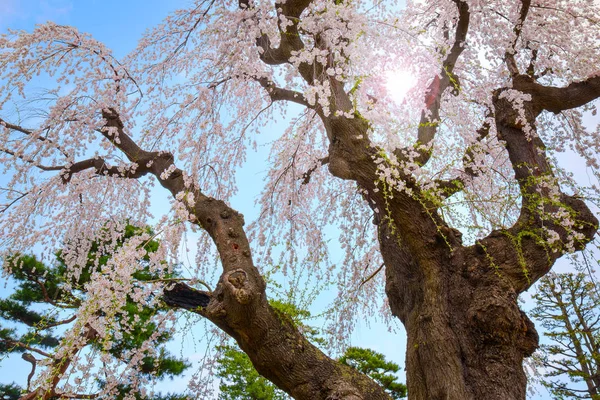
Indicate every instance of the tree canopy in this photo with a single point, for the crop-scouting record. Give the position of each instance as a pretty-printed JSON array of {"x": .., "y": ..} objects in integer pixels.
[{"x": 448, "y": 200}]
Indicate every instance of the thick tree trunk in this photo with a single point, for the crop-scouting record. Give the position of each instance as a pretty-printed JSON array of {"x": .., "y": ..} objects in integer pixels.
[{"x": 466, "y": 335}]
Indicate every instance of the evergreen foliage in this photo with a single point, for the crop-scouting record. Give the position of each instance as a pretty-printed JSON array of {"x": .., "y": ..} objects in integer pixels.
[
  {"x": 10, "y": 392},
  {"x": 40, "y": 308},
  {"x": 239, "y": 379},
  {"x": 568, "y": 306},
  {"x": 374, "y": 364}
]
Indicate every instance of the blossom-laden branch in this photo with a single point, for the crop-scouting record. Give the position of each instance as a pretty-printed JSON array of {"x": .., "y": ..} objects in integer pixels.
[
  {"x": 58, "y": 367},
  {"x": 281, "y": 94},
  {"x": 511, "y": 61},
  {"x": 238, "y": 305},
  {"x": 289, "y": 40},
  {"x": 99, "y": 164},
  {"x": 430, "y": 116}
]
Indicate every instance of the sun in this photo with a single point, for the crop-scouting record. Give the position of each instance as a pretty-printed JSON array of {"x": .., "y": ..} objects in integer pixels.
[{"x": 398, "y": 83}]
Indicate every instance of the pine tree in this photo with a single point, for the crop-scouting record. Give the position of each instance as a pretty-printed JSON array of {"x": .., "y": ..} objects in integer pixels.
[
  {"x": 374, "y": 364},
  {"x": 568, "y": 306},
  {"x": 39, "y": 308},
  {"x": 239, "y": 379}
]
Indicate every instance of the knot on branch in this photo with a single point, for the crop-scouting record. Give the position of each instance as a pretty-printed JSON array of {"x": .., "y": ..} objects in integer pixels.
[
  {"x": 238, "y": 285},
  {"x": 530, "y": 340},
  {"x": 225, "y": 214},
  {"x": 232, "y": 233},
  {"x": 339, "y": 167},
  {"x": 344, "y": 391}
]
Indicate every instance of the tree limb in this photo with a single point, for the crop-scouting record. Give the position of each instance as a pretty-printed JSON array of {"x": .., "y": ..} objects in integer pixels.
[
  {"x": 509, "y": 55},
  {"x": 280, "y": 94},
  {"x": 542, "y": 201},
  {"x": 29, "y": 132},
  {"x": 557, "y": 99},
  {"x": 430, "y": 116},
  {"x": 32, "y": 162},
  {"x": 289, "y": 35},
  {"x": 31, "y": 359},
  {"x": 16, "y": 343},
  {"x": 239, "y": 305}
]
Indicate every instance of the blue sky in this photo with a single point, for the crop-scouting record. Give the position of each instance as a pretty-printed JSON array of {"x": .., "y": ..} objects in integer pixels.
[{"x": 119, "y": 24}]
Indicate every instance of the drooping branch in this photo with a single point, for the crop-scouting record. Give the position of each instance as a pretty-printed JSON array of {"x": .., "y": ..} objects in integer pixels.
[
  {"x": 58, "y": 368},
  {"x": 509, "y": 55},
  {"x": 29, "y": 132},
  {"x": 32, "y": 162},
  {"x": 239, "y": 305},
  {"x": 196, "y": 24},
  {"x": 430, "y": 116},
  {"x": 5, "y": 207}
]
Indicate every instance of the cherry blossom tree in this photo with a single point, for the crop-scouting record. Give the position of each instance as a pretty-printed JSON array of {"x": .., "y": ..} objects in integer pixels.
[{"x": 449, "y": 199}]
